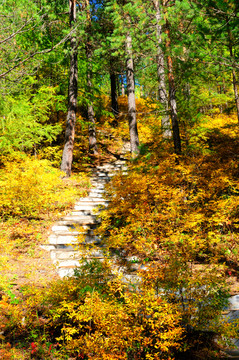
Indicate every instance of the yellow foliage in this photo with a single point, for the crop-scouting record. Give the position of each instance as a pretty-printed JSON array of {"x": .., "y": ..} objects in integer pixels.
[
  {"x": 103, "y": 320},
  {"x": 33, "y": 187}
]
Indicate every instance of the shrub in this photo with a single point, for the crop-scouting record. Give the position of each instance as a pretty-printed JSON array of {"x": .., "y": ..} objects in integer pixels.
[{"x": 30, "y": 188}]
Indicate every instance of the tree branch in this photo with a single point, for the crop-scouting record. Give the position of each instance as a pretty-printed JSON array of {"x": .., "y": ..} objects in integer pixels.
[{"x": 46, "y": 51}]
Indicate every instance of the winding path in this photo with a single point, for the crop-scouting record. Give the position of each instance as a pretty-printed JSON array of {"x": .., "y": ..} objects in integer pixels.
[
  {"x": 65, "y": 234},
  {"x": 66, "y": 231}
]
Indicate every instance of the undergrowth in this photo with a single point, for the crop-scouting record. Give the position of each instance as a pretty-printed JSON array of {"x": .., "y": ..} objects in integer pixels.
[{"x": 171, "y": 221}]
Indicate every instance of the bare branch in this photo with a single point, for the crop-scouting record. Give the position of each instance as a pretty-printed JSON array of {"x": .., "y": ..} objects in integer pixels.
[
  {"x": 16, "y": 32},
  {"x": 45, "y": 51}
]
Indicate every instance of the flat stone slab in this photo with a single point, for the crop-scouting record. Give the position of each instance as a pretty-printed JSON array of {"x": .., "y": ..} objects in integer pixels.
[
  {"x": 71, "y": 254},
  {"x": 66, "y": 272},
  {"x": 67, "y": 263},
  {"x": 85, "y": 207},
  {"x": 65, "y": 230},
  {"x": 87, "y": 220},
  {"x": 234, "y": 302},
  {"x": 94, "y": 200},
  {"x": 96, "y": 194},
  {"x": 71, "y": 239}
]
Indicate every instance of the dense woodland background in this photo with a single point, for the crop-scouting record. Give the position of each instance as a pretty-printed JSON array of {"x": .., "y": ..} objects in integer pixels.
[{"x": 78, "y": 80}]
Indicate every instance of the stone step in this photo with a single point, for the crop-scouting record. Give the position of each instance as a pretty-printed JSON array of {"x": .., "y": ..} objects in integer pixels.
[
  {"x": 86, "y": 207},
  {"x": 66, "y": 230},
  {"x": 94, "y": 194},
  {"x": 99, "y": 182},
  {"x": 66, "y": 226},
  {"x": 69, "y": 263},
  {"x": 93, "y": 200},
  {"x": 98, "y": 189},
  {"x": 61, "y": 254},
  {"x": 90, "y": 206},
  {"x": 58, "y": 239},
  {"x": 81, "y": 214},
  {"x": 86, "y": 220},
  {"x": 66, "y": 272},
  {"x": 66, "y": 255},
  {"x": 84, "y": 214},
  {"x": 234, "y": 302},
  {"x": 97, "y": 192}
]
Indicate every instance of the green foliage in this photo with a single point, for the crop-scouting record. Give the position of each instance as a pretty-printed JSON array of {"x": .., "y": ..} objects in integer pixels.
[{"x": 24, "y": 118}]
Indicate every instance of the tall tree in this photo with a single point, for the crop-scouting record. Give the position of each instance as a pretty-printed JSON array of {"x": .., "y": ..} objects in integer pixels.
[
  {"x": 133, "y": 131},
  {"x": 67, "y": 156},
  {"x": 163, "y": 96},
  {"x": 113, "y": 86},
  {"x": 234, "y": 77},
  {"x": 172, "y": 94},
  {"x": 93, "y": 149}
]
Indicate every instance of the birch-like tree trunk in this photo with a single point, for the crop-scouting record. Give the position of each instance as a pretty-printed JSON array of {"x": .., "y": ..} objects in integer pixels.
[
  {"x": 163, "y": 98},
  {"x": 67, "y": 156},
  {"x": 122, "y": 84},
  {"x": 172, "y": 95},
  {"x": 93, "y": 149},
  {"x": 133, "y": 131}
]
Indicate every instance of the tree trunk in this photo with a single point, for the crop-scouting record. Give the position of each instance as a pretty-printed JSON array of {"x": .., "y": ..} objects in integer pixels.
[
  {"x": 114, "y": 97},
  {"x": 67, "y": 156},
  {"x": 165, "y": 122},
  {"x": 234, "y": 79},
  {"x": 133, "y": 131},
  {"x": 93, "y": 149},
  {"x": 122, "y": 84},
  {"x": 172, "y": 96}
]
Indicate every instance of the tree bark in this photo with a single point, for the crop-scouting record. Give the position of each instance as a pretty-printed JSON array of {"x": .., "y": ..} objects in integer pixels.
[
  {"x": 67, "y": 156},
  {"x": 163, "y": 98},
  {"x": 172, "y": 96},
  {"x": 114, "y": 97},
  {"x": 93, "y": 149},
  {"x": 133, "y": 131},
  {"x": 122, "y": 84},
  {"x": 234, "y": 79}
]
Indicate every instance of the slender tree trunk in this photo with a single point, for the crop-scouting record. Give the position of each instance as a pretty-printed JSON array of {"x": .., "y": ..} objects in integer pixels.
[
  {"x": 122, "y": 84},
  {"x": 114, "y": 97},
  {"x": 67, "y": 156},
  {"x": 93, "y": 149},
  {"x": 163, "y": 98},
  {"x": 172, "y": 95},
  {"x": 234, "y": 79},
  {"x": 133, "y": 131}
]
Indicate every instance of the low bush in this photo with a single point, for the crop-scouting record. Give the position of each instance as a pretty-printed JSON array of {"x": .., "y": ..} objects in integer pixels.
[{"x": 31, "y": 188}]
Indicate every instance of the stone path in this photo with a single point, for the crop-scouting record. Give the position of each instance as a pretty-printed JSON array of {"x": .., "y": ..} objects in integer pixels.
[{"x": 66, "y": 231}]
